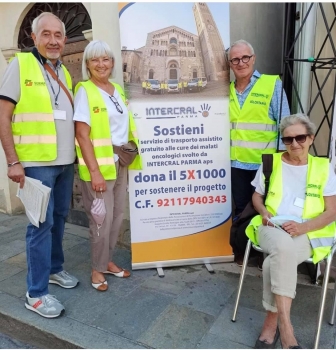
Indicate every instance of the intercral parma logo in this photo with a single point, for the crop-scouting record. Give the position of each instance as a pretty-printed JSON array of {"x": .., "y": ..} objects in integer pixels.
[
  {"x": 95, "y": 109},
  {"x": 205, "y": 108},
  {"x": 28, "y": 82}
]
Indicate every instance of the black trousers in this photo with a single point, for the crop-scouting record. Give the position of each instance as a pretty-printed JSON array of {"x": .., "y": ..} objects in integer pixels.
[{"x": 241, "y": 187}]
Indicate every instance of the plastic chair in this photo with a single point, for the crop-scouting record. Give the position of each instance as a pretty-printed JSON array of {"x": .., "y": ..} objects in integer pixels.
[{"x": 323, "y": 292}]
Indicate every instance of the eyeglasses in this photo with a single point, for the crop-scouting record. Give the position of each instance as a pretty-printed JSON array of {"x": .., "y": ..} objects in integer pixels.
[
  {"x": 288, "y": 140},
  {"x": 116, "y": 103},
  {"x": 235, "y": 61}
]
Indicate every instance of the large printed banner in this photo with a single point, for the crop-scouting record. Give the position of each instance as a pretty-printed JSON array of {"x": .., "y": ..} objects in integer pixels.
[
  {"x": 177, "y": 81},
  {"x": 333, "y": 141}
]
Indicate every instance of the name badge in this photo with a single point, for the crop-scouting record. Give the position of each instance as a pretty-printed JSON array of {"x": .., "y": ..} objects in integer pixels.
[
  {"x": 59, "y": 115},
  {"x": 299, "y": 202}
]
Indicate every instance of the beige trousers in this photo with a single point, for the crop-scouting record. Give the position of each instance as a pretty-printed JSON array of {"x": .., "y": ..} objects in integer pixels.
[
  {"x": 102, "y": 246},
  {"x": 280, "y": 267}
]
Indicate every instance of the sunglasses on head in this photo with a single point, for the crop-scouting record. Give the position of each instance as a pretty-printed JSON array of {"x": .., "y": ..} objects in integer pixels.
[{"x": 288, "y": 140}]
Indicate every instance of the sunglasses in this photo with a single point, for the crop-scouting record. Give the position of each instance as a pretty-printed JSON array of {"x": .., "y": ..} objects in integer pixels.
[
  {"x": 288, "y": 140},
  {"x": 117, "y": 105}
]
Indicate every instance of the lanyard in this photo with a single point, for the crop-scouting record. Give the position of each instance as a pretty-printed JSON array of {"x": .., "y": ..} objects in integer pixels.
[{"x": 52, "y": 88}]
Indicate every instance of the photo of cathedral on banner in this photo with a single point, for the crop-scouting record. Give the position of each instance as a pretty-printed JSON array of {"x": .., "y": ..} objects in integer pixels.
[
  {"x": 180, "y": 202},
  {"x": 179, "y": 49},
  {"x": 332, "y": 152}
]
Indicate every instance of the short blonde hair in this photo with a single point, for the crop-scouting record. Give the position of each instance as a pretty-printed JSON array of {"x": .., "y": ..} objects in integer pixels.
[
  {"x": 96, "y": 48},
  {"x": 43, "y": 14}
]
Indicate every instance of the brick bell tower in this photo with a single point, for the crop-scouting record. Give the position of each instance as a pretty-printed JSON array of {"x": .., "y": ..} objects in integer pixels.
[{"x": 213, "y": 52}]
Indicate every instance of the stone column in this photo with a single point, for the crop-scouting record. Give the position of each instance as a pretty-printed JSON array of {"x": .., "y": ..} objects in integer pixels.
[
  {"x": 9, "y": 52},
  {"x": 105, "y": 26},
  {"x": 9, "y": 203}
]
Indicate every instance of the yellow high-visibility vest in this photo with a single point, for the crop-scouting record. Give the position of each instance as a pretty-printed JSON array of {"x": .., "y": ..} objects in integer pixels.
[
  {"x": 33, "y": 125},
  {"x": 252, "y": 132},
  {"x": 185, "y": 84},
  {"x": 100, "y": 134},
  {"x": 317, "y": 177},
  {"x": 143, "y": 84}
]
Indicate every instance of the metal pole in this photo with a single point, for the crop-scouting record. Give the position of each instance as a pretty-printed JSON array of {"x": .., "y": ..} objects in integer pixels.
[{"x": 241, "y": 279}]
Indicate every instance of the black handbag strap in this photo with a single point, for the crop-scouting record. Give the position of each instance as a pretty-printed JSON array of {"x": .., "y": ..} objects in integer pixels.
[{"x": 267, "y": 161}]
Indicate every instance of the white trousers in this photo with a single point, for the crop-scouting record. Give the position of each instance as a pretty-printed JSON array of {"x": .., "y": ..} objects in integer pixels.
[{"x": 285, "y": 253}]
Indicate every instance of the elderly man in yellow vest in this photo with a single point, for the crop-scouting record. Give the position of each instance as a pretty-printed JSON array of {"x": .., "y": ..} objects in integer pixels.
[
  {"x": 180, "y": 86},
  {"x": 37, "y": 135},
  {"x": 255, "y": 103},
  {"x": 199, "y": 85},
  {"x": 144, "y": 87},
  {"x": 185, "y": 86}
]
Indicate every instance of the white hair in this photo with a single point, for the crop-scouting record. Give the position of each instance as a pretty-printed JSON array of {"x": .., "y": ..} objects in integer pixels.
[
  {"x": 238, "y": 43},
  {"x": 96, "y": 48},
  {"x": 295, "y": 119},
  {"x": 43, "y": 14}
]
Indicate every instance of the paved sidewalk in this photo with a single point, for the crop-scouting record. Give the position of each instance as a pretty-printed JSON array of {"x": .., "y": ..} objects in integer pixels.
[{"x": 188, "y": 308}]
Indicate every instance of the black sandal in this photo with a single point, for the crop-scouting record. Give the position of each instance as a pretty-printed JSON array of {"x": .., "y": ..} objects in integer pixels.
[{"x": 261, "y": 344}]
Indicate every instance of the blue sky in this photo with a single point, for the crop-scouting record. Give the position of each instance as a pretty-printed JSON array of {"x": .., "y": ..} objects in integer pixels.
[{"x": 142, "y": 18}]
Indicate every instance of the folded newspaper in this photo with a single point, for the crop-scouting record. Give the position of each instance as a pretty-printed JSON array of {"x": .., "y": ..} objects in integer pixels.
[{"x": 35, "y": 198}]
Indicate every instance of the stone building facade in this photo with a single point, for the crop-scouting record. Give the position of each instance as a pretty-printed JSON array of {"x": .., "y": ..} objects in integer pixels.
[{"x": 174, "y": 53}]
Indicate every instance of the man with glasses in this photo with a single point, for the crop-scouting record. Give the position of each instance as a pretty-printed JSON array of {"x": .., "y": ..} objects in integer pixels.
[{"x": 255, "y": 103}]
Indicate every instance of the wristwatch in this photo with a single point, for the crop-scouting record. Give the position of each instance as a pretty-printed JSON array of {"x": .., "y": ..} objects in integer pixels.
[{"x": 14, "y": 163}]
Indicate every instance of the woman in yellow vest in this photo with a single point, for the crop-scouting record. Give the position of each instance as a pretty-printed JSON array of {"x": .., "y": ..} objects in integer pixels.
[
  {"x": 295, "y": 223},
  {"x": 103, "y": 123}
]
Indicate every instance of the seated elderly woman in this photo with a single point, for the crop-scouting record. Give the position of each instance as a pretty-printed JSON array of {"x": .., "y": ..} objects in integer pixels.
[
  {"x": 302, "y": 200},
  {"x": 103, "y": 125}
]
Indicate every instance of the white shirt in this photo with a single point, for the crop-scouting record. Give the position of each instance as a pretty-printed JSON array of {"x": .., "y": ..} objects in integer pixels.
[
  {"x": 294, "y": 179},
  {"x": 119, "y": 122}
]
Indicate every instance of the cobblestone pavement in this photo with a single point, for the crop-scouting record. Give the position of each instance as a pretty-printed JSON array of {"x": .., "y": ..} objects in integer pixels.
[
  {"x": 7, "y": 342},
  {"x": 188, "y": 308}
]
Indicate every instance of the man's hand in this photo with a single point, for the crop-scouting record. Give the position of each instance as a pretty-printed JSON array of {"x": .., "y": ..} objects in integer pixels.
[
  {"x": 16, "y": 173},
  {"x": 294, "y": 228}
]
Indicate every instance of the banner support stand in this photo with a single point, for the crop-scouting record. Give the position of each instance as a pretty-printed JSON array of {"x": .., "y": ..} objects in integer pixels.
[
  {"x": 160, "y": 272},
  {"x": 209, "y": 268}
]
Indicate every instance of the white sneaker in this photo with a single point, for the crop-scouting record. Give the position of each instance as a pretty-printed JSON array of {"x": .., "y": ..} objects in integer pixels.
[
  {"x": 63, "y": 279},
  {"x": 46, "y": 306}
]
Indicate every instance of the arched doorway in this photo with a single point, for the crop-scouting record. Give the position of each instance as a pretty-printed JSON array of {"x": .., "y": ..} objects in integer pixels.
[
  {"x": 151, "y": 74},
  {"x": 194, "y": 73},
  {"x": 173, "y": 71}
]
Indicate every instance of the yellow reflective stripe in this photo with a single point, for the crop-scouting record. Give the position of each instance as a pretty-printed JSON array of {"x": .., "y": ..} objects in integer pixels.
[
  {"x": 31, "y": 139},
  {"x": 33, "y": 117},
  {"x": 250, "y": 144},
  {"x": 100, "y": 161},
  {"x": 102, "y": 142},
  {"x": 98, "y": 142},
  {"x": 254, "y": 126}
]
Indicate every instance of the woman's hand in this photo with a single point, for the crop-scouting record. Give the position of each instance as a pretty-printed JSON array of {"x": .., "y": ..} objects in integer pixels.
[
  {"x": 294, "y": 228},
  {"x": 97, "y": 181},
  {"x": 266, "y": 215}
]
